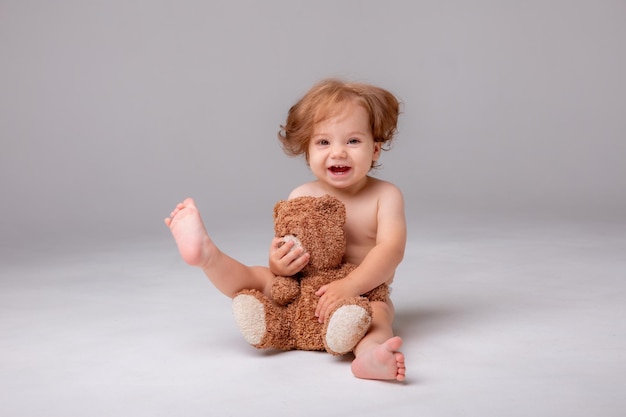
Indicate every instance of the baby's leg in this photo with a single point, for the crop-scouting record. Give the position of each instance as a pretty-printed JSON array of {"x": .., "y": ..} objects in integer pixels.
[
  {"x": 197, "y": 249},
  {"x": 377, "y": 354}
]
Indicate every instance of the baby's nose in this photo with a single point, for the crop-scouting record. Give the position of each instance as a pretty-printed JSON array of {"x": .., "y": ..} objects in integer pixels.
[{"x": 338, "y": 151}]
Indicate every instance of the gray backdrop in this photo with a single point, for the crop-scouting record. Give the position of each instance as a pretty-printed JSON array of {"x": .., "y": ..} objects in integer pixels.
[{"x": 112, "y": 111}]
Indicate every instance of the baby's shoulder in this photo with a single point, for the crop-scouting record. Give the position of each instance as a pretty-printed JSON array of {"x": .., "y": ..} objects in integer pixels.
[
  {"x": 306, "y": 189},
  {"x": 384, "y": 188}
]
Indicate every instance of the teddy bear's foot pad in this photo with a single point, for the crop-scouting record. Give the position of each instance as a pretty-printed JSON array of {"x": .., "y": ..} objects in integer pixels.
[
  {"x": 347, "y": 326},
  {"x": 250, "y": 317}
]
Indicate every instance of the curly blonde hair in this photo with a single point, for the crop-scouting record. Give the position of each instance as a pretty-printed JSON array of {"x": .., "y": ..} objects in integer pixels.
[{"x": 330, "y": 97}]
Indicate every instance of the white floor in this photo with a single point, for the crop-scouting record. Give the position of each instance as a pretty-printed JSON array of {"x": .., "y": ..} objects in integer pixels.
[{"x": 499, "y": 319}]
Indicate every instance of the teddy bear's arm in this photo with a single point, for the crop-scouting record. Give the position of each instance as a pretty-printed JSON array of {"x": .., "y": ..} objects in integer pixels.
[{"x": 285, "y": 290}]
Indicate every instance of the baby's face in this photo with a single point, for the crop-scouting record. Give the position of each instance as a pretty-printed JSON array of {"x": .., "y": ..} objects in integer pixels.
[{"x": 342, "y": 148}]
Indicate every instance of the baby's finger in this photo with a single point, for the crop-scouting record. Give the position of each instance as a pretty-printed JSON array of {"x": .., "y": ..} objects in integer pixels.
[
  {"x": 293, "y": 255},
  {"x": 285, "y": 248},
  {"x": 319, "y": 313},
  {"x": 321, "y": 291},
  {"x": 320, "y": 310},
  {"x": 301, "y": 261},
  {"x": 276, "y": 243}
]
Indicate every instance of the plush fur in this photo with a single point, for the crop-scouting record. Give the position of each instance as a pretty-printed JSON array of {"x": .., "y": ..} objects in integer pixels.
[{"x": 287, "y": 320}]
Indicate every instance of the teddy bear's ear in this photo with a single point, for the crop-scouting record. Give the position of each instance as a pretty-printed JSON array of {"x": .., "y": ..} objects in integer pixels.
[
  {"x": 279, "y": 213},
  {"x": 331, "y": 207},
  {"x": 278, "y": 207}
]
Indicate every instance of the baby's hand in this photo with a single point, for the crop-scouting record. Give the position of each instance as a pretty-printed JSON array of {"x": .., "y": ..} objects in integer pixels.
[
  {"x": 285, "y": 261},
  {"x": 330, "y": 295}
]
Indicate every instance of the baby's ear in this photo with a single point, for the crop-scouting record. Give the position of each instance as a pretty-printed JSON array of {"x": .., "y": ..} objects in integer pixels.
[{"x": 378, "y": 146}]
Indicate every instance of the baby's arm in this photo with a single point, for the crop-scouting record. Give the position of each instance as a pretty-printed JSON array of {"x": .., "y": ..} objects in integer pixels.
[{"x": 380, "y": 263}]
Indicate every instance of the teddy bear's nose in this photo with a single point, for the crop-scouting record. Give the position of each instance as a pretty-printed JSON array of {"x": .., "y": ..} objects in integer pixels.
[{"x": 294, "y": 239}]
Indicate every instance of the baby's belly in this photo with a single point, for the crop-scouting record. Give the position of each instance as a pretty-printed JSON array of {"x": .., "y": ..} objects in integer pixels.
[
  {"x": 354, "y": 257},
  {"x": 356, "y": 251}
]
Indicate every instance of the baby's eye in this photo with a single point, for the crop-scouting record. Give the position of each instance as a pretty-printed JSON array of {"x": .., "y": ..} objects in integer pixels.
[
  {"x": 322, "y": 142},
  {"x": 354, "y": 141}
]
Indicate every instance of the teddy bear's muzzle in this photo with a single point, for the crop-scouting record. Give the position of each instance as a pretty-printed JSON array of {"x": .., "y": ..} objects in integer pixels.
[{"x": 296, "y": 242}]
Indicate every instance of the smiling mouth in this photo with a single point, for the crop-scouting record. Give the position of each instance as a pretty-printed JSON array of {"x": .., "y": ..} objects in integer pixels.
[{"x": 339, "y": 169}]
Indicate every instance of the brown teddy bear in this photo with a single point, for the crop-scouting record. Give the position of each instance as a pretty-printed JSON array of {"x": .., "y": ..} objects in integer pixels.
[{"x": 287, "y": 321}]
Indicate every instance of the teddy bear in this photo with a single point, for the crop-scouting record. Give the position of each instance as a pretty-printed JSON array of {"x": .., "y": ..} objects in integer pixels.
[{"x": 287, "y": 320}]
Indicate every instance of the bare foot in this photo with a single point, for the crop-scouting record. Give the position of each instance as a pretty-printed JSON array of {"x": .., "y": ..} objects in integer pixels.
[
  {"x": 190, "y": 235},
  {"x": 381, "y": 361}
]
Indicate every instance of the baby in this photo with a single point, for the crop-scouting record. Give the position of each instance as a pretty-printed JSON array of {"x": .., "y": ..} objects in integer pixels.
[{"x": 341, "y": 128}]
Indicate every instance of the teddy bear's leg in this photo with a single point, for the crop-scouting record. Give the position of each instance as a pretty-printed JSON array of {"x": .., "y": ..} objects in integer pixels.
[
  {"x": 347, "y": 325},
  {"x": 261, "y": 323},
  {"x": 249, "y": 313}
]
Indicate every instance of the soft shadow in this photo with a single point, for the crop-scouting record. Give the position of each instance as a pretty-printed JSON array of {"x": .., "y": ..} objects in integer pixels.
[{"x": 421, "y": 322}]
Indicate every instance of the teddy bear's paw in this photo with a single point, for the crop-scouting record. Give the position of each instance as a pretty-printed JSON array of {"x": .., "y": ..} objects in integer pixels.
[
  {"x": 249, "y": 315},
  {"x": 346, "y": 327},
  {"x": 285, "y": 290}
]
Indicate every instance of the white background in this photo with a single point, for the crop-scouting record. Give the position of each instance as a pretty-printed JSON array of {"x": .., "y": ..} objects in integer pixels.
[{"x": 510, "y": 154}]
